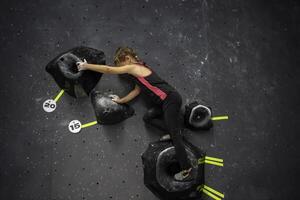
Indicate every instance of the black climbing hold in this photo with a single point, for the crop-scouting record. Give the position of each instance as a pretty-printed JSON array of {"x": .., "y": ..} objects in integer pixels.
[
  {"x": 197, "y": 116},
  {"x": 108, "y": 111},
  {"x": 64, "y": 70},
  {"x": 160, "y": 165}
]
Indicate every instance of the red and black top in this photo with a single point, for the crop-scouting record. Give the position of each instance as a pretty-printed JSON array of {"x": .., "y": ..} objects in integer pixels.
[{"x": 155, "y": 88}]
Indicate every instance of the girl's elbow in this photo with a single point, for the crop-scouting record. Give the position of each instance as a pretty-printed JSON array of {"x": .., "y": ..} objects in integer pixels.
[{"x": 138, "y": 91}]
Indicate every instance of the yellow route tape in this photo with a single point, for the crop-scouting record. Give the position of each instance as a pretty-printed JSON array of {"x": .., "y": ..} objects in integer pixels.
[
  {"x": 214, "y": 163},
  {"x": 59, "y": 95},
  {"x": 210, "y": 162},
  {"x": 210, "y": 194},
  {"x": 89, "y": 124},
  {"x": 213, "y": 159},
  {"x": 213, "y": 191},
  {"x": 219, "y": 118}
]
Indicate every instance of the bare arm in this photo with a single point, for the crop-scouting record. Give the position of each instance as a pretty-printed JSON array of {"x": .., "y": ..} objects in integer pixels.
[
  {"x": 109, "y": 69},
  {"x": 131, "y": 95}
]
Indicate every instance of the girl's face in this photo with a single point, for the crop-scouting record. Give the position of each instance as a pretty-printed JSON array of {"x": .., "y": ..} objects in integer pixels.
[{"x": 127, "y": 61}]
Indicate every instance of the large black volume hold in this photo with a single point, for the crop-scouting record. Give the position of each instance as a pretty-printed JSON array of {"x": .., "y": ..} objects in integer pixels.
[
  {"x": 65, "y": 73},
  {"x": 108, "y": 111}
]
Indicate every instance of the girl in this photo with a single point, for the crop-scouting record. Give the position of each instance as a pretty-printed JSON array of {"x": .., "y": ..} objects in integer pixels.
[{"x": 167, "y": 101}]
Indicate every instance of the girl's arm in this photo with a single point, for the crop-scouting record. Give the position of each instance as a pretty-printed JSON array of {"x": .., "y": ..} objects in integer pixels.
[
  {"x": 105, "y": 68},
  {"x": 131, "y": 95}
]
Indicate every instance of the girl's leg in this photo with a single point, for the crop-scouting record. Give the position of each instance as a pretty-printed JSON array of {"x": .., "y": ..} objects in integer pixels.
[
  {"x": 154, "y": 117},
  {"x": 171, "y": 109}
]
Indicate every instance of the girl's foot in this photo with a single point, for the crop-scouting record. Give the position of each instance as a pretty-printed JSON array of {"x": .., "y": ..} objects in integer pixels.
[
  {"x": 184, "y": 175},
  {"x": 165, "y": 137}
]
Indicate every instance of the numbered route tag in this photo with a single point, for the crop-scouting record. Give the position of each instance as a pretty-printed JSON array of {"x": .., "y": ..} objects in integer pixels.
[
  {"x": 74, "y": 126},
  {"x": 49, "y": 105}
]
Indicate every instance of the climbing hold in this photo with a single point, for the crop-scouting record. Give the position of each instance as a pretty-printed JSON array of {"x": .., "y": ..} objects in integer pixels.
[
  {"x": 160, "y": 165},
  {"x": 108, "y": 111},
  {"x": 197, "y": 116},
  {"x": 65, "y": 73}
]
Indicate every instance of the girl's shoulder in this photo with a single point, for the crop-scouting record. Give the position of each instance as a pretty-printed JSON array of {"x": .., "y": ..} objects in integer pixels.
[{"x": 141, "y": 69}]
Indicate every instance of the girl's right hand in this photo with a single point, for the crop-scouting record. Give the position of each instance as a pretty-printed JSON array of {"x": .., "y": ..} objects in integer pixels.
[{"x": 81, "y": 65}]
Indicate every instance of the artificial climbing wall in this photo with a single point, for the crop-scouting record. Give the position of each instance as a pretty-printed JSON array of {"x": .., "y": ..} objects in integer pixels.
[{"x": 239, "y": 57}]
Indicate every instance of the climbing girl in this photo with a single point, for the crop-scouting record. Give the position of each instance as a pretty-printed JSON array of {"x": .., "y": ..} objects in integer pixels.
[{"x": 166, "y": 100}]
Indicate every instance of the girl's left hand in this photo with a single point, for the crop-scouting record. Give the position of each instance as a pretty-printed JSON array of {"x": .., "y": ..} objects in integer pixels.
[
  {"x": 115, "y": 98},
  {"x": 82, "y": 65}
]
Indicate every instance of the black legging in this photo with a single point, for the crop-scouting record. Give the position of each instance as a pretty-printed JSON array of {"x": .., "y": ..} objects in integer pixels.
[{"x": 170, "y": 111}]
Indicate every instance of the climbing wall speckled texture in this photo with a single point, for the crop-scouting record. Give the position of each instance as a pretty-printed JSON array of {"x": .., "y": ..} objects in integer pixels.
[{"x": 239, "y": 57}]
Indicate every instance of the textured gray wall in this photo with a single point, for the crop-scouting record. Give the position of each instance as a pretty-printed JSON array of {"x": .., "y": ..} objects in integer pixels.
[{"x": 240, "y": 57}]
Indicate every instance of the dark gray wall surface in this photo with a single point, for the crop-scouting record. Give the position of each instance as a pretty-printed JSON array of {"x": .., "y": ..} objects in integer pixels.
[{"x": 240, "y": 57}]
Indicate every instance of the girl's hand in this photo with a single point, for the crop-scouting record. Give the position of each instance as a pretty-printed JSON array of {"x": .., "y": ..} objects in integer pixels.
[
  {"x": 81, "y": 65},
  {"x": 115, "y": 98}
]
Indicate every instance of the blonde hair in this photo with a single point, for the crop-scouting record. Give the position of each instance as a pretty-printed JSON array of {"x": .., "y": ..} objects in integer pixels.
[{"x": 121, "y": 52}]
